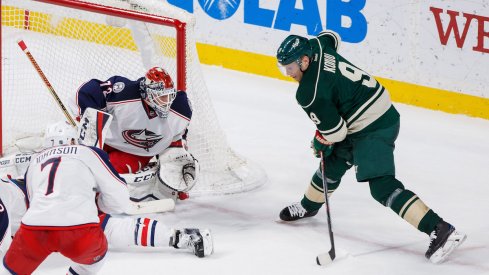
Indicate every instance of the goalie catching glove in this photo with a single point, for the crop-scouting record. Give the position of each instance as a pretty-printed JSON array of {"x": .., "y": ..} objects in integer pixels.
[
  {"x": 178, "y": 169},
  {"x": 320, "y": 144}
]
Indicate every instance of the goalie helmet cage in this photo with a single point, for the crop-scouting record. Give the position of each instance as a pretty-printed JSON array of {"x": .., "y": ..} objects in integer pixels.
[{"x": 76, "y": 41}]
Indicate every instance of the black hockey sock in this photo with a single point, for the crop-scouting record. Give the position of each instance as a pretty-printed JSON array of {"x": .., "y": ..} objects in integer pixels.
[{"x": 310, "y": 205}]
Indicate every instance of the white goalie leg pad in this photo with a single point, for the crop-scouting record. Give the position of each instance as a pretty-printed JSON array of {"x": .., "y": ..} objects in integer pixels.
[
  {"x": 15, "y": 165},
  {"x": 7, "y": 166},
  {"x": 149, "y": 207},
  {"x": 30, "y": 144},
  {"x": 179, "y": 170},
  {"x": 142, "y": 185},
  {"x": 93, "y": 127}
]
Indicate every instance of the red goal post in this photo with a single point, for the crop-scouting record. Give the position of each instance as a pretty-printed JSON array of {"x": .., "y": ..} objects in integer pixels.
[{"x": 75, "y": 41}]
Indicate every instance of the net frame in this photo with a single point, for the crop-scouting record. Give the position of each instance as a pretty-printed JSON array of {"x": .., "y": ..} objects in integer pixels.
[{"x": 241, "y": 174}]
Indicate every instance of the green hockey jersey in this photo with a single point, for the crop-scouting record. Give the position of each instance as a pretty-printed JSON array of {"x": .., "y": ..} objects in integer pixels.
[{"x": 338, "y": 97}]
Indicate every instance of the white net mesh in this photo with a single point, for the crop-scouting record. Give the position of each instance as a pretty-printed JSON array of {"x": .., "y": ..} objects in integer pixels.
[{"x": 72, "y": 46}]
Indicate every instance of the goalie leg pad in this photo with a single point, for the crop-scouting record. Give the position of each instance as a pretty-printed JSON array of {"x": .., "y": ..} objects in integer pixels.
[{"x": 143, "y": 185}]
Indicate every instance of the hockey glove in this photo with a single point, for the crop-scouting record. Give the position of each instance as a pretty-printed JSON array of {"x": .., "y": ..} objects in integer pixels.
[
  {"x": 179, "y": 170},
  {"x": 320, "y": 144}
]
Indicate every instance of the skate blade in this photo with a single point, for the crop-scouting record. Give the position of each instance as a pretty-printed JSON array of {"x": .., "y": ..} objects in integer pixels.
[
  {"x": 454, "y": 240},
  {"x": 208, "y": 242}
]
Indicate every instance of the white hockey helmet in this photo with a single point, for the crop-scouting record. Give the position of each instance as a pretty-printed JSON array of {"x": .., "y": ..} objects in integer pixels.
[
  {"x": 60, "y": 133},
  {"x": 158, "y": 91}
]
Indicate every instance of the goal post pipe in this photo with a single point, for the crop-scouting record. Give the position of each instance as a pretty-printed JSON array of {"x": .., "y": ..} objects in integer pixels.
[
  {"x": 179, "y": 26},
  {"x": 23, "y": 47}
]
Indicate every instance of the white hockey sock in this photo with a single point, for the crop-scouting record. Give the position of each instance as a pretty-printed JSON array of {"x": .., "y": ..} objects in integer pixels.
[
  {"x": 149, "y": 232},
  {"x": 123, "y": 232}
]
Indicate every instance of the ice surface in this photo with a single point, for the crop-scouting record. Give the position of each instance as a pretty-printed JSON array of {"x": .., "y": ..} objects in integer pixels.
[{"x": 441, "y": 157}]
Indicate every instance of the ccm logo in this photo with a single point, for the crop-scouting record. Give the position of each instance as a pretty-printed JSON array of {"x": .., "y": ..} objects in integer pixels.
[{"x": 145, "y": 177}]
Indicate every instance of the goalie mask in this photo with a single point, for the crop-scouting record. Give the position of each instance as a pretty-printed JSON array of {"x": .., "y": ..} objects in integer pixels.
[
  {"x": 158, "y": 91},
  {"x": 60, "y": 133}
]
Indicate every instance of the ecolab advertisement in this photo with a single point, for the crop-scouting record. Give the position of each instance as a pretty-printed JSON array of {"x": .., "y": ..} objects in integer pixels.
[{"x": 440, "y": 44}]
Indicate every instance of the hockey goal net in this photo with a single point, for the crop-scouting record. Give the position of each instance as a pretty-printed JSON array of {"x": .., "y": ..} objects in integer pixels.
[{"x": 75, "y": 41}]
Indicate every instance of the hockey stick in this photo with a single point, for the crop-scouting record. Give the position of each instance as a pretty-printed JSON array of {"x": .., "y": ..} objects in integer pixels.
[
  {"x": 148, "y": 207},
  {"x": 326, "y": 258},
  {"x": 23, "y": 46}
]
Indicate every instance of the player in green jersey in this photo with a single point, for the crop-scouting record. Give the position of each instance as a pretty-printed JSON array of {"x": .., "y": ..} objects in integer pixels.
[{"x": 357, "y": 125}]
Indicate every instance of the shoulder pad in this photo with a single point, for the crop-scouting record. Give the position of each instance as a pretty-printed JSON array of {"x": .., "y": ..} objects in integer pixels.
[
  {"x": 181, "y": 105},
  {"x": 104, "y": 158},
  {"x": 101, "y": 153},
  {"x": 123, "y": 89},
  {"x": 334, "y": 39}
]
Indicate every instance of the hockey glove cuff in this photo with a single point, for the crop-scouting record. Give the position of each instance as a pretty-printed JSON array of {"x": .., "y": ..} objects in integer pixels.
[{"x": 320, "y": 144}]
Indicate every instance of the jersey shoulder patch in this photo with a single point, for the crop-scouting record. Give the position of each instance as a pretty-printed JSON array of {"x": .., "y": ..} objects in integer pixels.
[
  {"x": 181, "y": 105},
  {"x": 121, "y": 89}
]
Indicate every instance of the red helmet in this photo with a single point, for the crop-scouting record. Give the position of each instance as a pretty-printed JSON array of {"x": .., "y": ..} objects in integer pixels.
[{"x": 158, "y": 90}]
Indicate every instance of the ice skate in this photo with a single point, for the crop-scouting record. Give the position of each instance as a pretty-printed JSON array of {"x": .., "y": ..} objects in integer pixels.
[
  {"x": 444, "y": 239},
  {"x": 198, "y": 241},
  {"x": 295, "y": 212}
]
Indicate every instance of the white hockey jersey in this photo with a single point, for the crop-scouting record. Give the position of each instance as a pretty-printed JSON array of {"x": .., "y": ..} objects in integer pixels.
[
  {"x": 135, "y": 128},
  {"x": 62, "y": 183},
  {"x": 13, "y": 205},
  {"x": 5, "y": 230}
]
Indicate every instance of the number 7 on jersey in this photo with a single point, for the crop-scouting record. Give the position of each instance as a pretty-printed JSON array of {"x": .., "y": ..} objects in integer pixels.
[{"x": 52, "y": 172}]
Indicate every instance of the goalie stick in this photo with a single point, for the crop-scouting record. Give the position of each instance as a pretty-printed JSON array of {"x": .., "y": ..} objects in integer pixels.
[
  {"x": 148, "y": 207},
  {"x": 24, "y": 48},
  {"x": 328, "y": 257}
]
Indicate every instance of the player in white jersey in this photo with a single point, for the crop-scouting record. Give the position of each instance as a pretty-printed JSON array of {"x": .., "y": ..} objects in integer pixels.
[
  {"x": 62, "y": 182},
  {"x": 150, "y": 118},
  {"x": 122, "y": 232}
]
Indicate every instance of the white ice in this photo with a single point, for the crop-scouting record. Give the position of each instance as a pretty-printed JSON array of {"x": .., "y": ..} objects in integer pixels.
[{"x": 441, "y": 157}]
